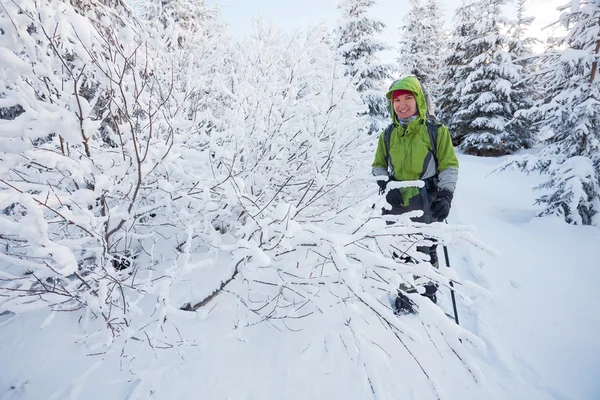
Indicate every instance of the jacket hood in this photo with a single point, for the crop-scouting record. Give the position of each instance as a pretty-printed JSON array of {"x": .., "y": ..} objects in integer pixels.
[{"x": 409, "y": 83}]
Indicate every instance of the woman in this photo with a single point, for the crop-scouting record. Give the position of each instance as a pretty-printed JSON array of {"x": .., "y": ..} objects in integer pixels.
[{"x": 405, "y": 152}]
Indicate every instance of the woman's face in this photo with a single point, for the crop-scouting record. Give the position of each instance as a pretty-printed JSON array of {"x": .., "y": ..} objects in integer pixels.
[{"x": 405, "y": 105}]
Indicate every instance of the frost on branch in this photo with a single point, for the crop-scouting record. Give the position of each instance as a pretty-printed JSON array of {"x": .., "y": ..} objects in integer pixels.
[
  {"x": 150, "y": 170},
  {"x": 82, "y": 135}
]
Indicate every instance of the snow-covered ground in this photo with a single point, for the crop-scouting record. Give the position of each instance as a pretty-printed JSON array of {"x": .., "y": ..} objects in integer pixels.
[
  {"x": 537, "y": 321},
  {"x": 541, "y": 324}
]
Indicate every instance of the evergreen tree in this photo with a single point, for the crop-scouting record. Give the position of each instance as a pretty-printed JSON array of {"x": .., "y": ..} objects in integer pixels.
[
  {"x": 569, "y": 117},
  {"x": 359, "y": 50},
  {"x": 438, "y": 45},
  {"x": 455, "y": 70},
  {"x": 422, "y": 43},
  {"x": 520, "y": 49},
  {"x": 412, "y": 45},
  {"x": 521, "y": 45},
  {"x": 482, "y": 122}
]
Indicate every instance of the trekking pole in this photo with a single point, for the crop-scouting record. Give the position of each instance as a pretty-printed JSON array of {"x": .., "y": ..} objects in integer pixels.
[
  {"x": 428, "y": 220},
  {"x": 451, "y": 285}
]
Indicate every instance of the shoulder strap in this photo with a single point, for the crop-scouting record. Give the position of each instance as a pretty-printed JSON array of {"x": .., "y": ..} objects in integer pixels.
[
  {"x": 432, "y": 128},
  {"x": 387, "y": 134}
]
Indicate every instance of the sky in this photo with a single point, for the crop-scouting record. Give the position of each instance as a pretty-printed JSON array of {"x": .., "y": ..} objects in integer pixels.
[{"x": 293, "y": 14}]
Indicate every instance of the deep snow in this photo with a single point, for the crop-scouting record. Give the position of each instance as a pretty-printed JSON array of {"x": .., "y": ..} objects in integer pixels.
[{"x": 538, "y": 320}]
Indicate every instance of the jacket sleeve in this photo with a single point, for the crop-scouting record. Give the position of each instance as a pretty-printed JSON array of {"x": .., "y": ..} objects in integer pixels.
[
  {"x": 379, "y": 166},
  {"x": 447, "y": 161}
]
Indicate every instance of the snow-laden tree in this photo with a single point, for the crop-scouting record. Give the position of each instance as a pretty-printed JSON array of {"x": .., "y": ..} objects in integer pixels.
[
  {"x": 438, "y": 43},
  {"x": 456, "y": 69},
  {"x": 194, "y": 49},
  {"x": 520, "y": 44},
  {"x": 412, "y": 48},
  {"x": 179, "y": 21},
  {"x": 359, "y": 49},
  {"x": 126, "y": 198},
  {"x": 81, "y": 158},
  {"x": 525, "y": 63},
  {"x": 422, "y": 44},
  {"x": 568, "y": 117},
  {"x": 482, "y": 119}
]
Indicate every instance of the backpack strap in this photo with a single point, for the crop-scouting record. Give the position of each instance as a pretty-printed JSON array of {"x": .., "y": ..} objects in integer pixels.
[
  {"x": 387, "y": 134},
  {"x": 432, "y": 128}
]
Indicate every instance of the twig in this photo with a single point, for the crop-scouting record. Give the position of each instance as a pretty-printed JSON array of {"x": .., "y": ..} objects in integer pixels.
[
  {"x": 51, "y": 209},
  {"x": 189, "y": 307}
]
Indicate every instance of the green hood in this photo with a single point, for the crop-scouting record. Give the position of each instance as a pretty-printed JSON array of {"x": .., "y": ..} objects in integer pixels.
[{"x": 409, "y": 83}]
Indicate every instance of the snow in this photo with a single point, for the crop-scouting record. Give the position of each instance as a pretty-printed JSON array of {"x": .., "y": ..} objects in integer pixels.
[
  {"x": 186, "y": 216},
  {"x": 542, "y": 320},
  {"x": 532, "y": 323}
]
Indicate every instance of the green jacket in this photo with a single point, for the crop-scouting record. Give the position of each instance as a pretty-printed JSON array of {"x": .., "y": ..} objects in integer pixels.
[{"x": 410, "y": 148}]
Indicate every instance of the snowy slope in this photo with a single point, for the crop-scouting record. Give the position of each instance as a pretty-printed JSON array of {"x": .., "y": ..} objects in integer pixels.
[
  {"x": 535, "y": 327},
  {"x": 541, "y": 324}
]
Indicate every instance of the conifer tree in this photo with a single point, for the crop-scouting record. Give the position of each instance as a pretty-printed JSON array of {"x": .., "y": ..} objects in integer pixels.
[
  {"x": 481, "y": 121},
  {"x": 438, "y": 44},
  {"x": 359, "y": 50},
  {"x": 524, "y": 62},
  {"x": 422, "y": 43},
  {"x": 569, "y": 117},
  {"x": 455, "y": 70},
  {"x": 520, "y": 44},
  {"x": 411, "y": 49}
]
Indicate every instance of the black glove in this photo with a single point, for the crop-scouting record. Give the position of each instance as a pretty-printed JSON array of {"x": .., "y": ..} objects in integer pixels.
[
  {"x": 441, "y": 205},
  {"x": 394, "y": 197},
  {"x": 382, "y": 185}
]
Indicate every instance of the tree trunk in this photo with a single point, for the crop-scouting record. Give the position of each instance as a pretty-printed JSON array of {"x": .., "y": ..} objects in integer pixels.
[{"x": 595, "y": 63}]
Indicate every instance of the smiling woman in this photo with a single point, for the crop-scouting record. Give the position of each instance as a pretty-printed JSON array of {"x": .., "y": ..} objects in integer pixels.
[{"x": 404, "y": 103}]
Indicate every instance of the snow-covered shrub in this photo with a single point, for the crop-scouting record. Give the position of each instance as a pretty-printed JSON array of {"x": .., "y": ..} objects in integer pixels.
[
  {"x": 142, "y": 176},
  {"x": 123, "y": 153},
  {"x": 80, "y": 155},
  {"x": 291, "y": 143}
]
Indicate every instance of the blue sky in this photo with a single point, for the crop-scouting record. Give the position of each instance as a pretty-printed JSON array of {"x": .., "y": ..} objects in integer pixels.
[
  {"x": 302, "y": 13},
  {"x": 292, "y": 14}
]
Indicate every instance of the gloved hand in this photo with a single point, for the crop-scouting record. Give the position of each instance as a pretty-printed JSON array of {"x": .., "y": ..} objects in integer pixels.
[
  {"x": 441, "y": 205},
  {"x": 382, "y": 185},
  {"x": 394, "y": 197}
]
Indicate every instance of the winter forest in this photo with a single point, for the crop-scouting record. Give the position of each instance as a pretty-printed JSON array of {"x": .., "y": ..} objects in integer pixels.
[{"x": 186, "y": 214}]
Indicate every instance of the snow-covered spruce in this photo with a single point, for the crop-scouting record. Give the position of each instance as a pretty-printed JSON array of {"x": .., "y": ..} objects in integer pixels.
[
  {"x": 422, "y": 46},
  {"x": 568, "y": 118},
  {"x": 484, "y": 88},
  {"x": 359, "y": 49}
]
